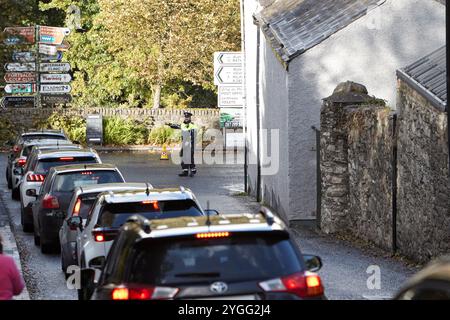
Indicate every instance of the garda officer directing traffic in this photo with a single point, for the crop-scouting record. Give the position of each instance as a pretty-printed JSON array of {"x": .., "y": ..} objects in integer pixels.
[{"x": 188, "y": 134}]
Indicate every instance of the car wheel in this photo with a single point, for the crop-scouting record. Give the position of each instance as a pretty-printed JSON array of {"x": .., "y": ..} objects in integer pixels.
[
  {"x": 46, "y": 248},
  {"x": 15, "y": 194},
  {"x": 9, "y": 183},
  {"x": 37, "y": 239}
]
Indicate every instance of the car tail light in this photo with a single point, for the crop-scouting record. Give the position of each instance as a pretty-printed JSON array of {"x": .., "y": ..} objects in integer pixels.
[
  {"x": 149, "y": 293},
  {"x": 304, "y": 285},
  {"x": 36, "y": 177},
  {"x": 104, "y": 235},
  {"x": 209, "y": 235},
  {"x": 76, "y": 208},
  {"x": 21, "y": 162},
  {"x": 66, "y": 159},
  {"x": 87, "y": 173},
  {"x": 50, "y": 202}
]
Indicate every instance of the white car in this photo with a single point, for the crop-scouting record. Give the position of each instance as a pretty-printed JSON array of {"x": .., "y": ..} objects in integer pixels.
[
  {"x": 36, "y": 169},
  {"x": 21, "y": 160},
  {"x": 112, "y": 209}
]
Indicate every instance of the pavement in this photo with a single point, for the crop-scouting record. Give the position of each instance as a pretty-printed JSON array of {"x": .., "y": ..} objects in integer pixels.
[{"x": 350, "y": 271}]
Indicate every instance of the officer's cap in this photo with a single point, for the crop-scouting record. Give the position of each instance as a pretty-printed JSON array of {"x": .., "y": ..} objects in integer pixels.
[{"x": 187, "y": 114}]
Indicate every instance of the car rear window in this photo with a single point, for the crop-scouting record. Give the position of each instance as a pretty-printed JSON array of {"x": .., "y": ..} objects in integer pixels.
[
  {"x": 87, "y": 201},
  {"x": 116, "y": 214},
  {"x": 44, "y": 165},
  {"x": 37, "y": 136},
  {"x": 235, "y": 258},
  {"x": 67, "y": 182}
]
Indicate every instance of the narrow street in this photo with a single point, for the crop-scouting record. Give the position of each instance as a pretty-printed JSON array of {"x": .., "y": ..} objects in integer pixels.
[{"x": 344, "y": 272}]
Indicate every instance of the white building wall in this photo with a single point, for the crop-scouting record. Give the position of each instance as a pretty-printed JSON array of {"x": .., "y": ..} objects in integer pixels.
[{"x": 368, "y": 51}]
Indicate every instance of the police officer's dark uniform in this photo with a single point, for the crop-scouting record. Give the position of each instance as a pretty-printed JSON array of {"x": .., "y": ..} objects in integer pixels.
[{"x": 188, "y": 133}]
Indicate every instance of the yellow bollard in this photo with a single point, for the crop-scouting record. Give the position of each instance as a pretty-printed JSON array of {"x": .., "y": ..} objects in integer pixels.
[{"x": 164, "y": 155}]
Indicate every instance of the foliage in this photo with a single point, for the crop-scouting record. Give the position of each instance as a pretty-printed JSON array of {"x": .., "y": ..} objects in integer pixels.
[
  {"x": 118, "y": 131},
  {"x": 133, "y": 49},
  {"x": 7, "y": 131},
  {"x": 163, "y": 135}
]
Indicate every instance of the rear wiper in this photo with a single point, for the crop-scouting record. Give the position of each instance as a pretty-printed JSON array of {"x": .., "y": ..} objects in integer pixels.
[{"x": 198, "y": 274}]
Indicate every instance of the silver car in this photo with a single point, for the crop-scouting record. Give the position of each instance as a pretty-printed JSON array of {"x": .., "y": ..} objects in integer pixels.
[{"x": 80, "y": 205}]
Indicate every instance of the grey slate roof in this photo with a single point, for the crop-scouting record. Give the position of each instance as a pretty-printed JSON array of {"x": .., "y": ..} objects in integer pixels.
[
  {"x": 428, "y": 76},
  {"x": 294, "y": 26}
]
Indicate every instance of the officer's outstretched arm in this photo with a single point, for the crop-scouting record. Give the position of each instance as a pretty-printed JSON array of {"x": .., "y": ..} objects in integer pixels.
[{"x": 173, "y": 126}]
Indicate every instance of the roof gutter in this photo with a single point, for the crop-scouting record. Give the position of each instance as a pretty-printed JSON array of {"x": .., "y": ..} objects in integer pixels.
[{"x": 432, "y": 98}]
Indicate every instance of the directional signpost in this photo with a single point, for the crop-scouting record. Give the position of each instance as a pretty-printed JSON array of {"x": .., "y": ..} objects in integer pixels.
[
  {"x": 20, "y": 88},
  {"x": 26, "y": 56},
  {"x": 18, "y": 66},
  {"x": 19, "y": 35},
  {"x": 229, "y": 77},
  {"x": 54, "y": 67},
  {"x": 38, "y": 70},
  {"x": 17, "y": 101},
  {"x": 55, "y": 88},
  {"x": 55, "y": 78},
  {"x": 20, "y": 77}
]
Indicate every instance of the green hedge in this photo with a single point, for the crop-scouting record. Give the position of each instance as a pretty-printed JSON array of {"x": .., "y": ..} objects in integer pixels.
[{"x": 116, "y": 130}]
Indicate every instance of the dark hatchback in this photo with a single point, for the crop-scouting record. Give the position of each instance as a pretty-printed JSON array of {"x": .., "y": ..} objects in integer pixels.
[
  {"x": 49, "y": 209},
  {"x": 240, "y": 261}
]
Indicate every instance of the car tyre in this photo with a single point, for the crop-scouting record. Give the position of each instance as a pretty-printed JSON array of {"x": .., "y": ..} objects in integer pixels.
[
  {"x": 27, "y": 227},
  {"x": 37, "y": 240},
  {"x": 15, "y": 194},
  {"x": 9, "y": 183},
  {"x": 46, "y": 248}
]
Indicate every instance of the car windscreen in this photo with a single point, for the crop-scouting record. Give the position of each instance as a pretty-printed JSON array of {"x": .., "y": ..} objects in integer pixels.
[
  {"x": 44, "y": 165},
  {"x": 67, "y": 182},
  {"x": 235, "y": 258},
  {"x": 113, "y": 215},
  {"x": 41, "y": 136}
]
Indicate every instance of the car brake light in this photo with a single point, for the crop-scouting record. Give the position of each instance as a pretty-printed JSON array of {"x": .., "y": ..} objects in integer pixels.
[
  {"x": 66, "y": 158},
  {"x": 21, "y": 162},
  {"x": 36, "y": 178},
  {"x": 303, "y": 285},
  {"x": 152, "y": 202},
  {"x": 76, "y": 209},
  {"x": 144, "y": 293},
  {"x": 209, "y": 235},
  {"x": 50, "y": 202},
  {"x": 104, "y": 235}
]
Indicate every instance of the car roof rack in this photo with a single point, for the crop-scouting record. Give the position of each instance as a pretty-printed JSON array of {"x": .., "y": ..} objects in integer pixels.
[{"x": 270, "y": 217}]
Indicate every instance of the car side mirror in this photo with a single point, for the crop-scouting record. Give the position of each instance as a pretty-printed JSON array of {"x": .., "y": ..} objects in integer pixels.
[
  {"x": 211, "y": 212},
  {"x": 75, "y": 223},
  {"x": 313, "y": 263},
  {"x": 18, "y": 171},
  {"x": 31, "y": 193}
]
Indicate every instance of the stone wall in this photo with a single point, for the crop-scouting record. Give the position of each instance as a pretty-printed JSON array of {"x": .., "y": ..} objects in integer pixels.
[
  {"x": 26, "y": 117},
  {"x": 356, "y": 165},
  {"x": 423, "y": 218}
]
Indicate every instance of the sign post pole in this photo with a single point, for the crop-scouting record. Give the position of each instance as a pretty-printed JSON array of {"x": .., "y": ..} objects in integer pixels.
[{"x": 38, "y": 71}]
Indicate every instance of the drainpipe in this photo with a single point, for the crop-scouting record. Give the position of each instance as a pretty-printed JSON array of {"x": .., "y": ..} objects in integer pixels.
[
  {"x": 258, "y": 120},
  {"x": 244, "y": 84}
]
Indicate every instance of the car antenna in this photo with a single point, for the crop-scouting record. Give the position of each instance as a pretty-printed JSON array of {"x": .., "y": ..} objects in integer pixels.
[
  {"x": 147, "y": 189},
  {"x": 208, "y": 220}
]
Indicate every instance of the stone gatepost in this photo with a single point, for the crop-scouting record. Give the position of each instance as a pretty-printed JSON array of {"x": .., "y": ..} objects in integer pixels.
[{"x": 334, "y": 160}]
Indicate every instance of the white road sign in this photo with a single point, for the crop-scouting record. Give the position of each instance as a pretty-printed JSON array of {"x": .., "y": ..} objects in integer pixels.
[
  {"x": 229, "y": 75},
  {"x": 55, "y": 88},
  {"x": 231, "y": 96},
  {"x": 55, "y": 78},
  {"x": 233, "y": 58},
  {"x": 48, "y": 49},
  {"x": 55, "y": 67},
  {"x": 19, "y": 67},
  {"x": 20, "y": 88}
]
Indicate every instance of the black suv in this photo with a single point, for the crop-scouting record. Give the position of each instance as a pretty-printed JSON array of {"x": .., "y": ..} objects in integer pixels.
[{"x": 245, "y": 256}]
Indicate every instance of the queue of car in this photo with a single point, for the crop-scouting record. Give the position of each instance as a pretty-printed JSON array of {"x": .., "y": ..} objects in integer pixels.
[{"x": 136, "y": 241}]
